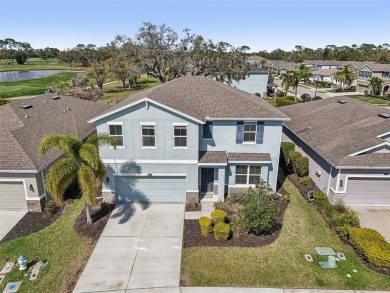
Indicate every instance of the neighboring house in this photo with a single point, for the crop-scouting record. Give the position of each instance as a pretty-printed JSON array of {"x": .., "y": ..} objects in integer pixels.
[
  {"x": 189, "y": 137},
  {"x": 366, "y": 72},
  {"x": 326, "y": 75},
  {"x": 322, "y": 64},
  {"x": 23, "y": 125},
  {"x": 255, "y": 82},
  {"x": 280, "y": 67},
  {"x": 348, "y": 145}
]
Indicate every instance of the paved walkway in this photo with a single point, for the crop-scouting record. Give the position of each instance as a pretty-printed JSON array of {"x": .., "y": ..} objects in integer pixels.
[
  {"x": 8, "y": 219},
  {"x": 140, "y": 248}
]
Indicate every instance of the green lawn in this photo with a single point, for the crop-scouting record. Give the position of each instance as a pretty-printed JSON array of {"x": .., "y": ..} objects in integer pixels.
[
  {"x": 114, "y": 92},
  {"x": 39, "y": 64},
  {"x": 271, "y": 101},
  {"x": 370, "y": 100},
  {"x": 65, "y": 250},
  {"x": 31, "y": 87},
  {"x": 281, "y": 264}
]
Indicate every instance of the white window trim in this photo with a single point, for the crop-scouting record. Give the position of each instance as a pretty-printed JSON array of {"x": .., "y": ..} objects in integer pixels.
[
  {"x": 180, "y": 124},
  {"x": 250, "y": 142},
  {"x": 142, "y": 138},
  {"x": 179, "y": 147},
  {"x": 148, "y": 123},
  {"x": 123, "y": 137},
  {"x": 247, "y": 175}
]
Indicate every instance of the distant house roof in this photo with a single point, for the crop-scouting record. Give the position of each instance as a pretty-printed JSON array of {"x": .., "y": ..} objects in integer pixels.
[
  {"x": 377, "y": 67},
  {"x": 282, "y": 65},
  {"x": 322, "y": 62},
  {"x": 325, "y": 72},
  {"x": 198, "y": 98},
  {"x": 253, "y": 69},
  {"x": 336, "y": 131},
  {"x": 23, "y": 128}
]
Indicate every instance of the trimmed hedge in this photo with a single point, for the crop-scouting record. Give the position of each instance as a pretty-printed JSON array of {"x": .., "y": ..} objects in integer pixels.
[
  {"x": 370, "y": 245},
  {"x": 305, "y": 181},
  {"x": 316, "y": 98},
  {"x": 346, "y": 221},
  {"x": 321, "y": 199},
  {"x": 205, "y": 226},
  {"x": 221, "y": 231},
  {"x": 284, "y": 101},
  {"x": 285, "y": 148},
  {"x": 218, "y": 216},
  {"x": 301, "y": 166},
  {"x": 292, "y": 156}
]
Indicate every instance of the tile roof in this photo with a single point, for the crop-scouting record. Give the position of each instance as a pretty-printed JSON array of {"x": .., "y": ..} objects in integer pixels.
[
  {"x": 337, "y": 130},
  {"x": 249, "y": 157},
  {"x": 200, "y": 97},
  {"x": 210, "y": 157},
  {"x": 22, "y": 129}
]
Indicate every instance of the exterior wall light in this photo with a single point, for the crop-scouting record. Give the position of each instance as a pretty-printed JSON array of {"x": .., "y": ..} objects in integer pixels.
[
  {"x": 341, "y": 183},
  {"x": 31, "y": 188},
  {"x": 107, "y": 180}
]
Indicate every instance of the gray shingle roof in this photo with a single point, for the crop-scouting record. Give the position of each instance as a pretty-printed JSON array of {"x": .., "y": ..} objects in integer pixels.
[
  {"x": 325, "y": 72},
  {"x": 200, "y": 97},
  {"x": 249, "y": 157},
  {"x": 337, "y": 130},
  {"x": 22, "y": 129}
]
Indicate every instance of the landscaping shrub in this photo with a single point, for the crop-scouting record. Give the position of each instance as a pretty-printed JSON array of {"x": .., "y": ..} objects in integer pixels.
[
  {"x": 305, "y": 181},
  {"x": 218, "y": 216},
  {"x": 370, "y": 245},
  {"x": 301, "y": 166},
  {"x": 205, "y": 226},
  {"x": 50, "y": 207},
  {"x": 329, "y": 210},
  {"x": 292, "y": 156},
  {"x": 284, "y": 101},
  {"x": 237, "y": 194},
  {"x": 346, "y": 221},
  {"x": 340, "y": 208},
  {"x": 316, "y": 98},
  {"x": 221, "y": 231},
  {"x": 259, "y": 214},
  {"x": 285, "y": 148},
  {"x": 287, "y": 197},
  {"x": 321, "y": 199}
]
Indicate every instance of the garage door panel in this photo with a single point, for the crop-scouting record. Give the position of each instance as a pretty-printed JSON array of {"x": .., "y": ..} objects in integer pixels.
[
  {"x": 145, "y": 188},
  {"x": 12, "y": 196},
  {"x": 375, "y": 191}
]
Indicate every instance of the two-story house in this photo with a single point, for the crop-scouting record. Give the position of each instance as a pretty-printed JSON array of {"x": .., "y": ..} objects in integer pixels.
[
  {"x": 189, "y": 137},
  {"x": 366, "y": 72}
]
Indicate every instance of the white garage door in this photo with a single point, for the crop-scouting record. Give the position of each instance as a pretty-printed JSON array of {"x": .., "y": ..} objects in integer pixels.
[
  {"x": 370, "y": 191},
  {"x": 150, "y": 188},
  {"x": 12, "y": 196}
]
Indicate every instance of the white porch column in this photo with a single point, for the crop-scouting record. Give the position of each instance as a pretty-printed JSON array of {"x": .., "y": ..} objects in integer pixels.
[{"x": 221, "y": 183}]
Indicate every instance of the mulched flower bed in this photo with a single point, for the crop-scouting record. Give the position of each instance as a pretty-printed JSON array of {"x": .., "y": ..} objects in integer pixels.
[
  {"x": 33, "y": 222},
  {"x": 193, "y": 237},
  {"x": 193, "y": 207},
  {"x": 99, "y": 217}
]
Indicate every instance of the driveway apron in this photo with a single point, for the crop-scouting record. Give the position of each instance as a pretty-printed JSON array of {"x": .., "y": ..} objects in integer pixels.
[
  {"x": 140, "y": 248},
  {"x": 8, "y": 220}
]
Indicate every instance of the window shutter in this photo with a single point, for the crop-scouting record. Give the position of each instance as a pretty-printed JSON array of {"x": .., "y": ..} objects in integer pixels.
[
  {"x": 260, "y": 132},
  {"x": 240, "y": 132}
]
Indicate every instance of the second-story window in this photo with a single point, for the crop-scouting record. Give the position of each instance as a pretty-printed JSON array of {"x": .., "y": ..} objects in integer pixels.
[
  {"x": 117, "y": 133},
  {"x": 180, "y": 136},
  {"x": 148, "y": 136},
  {"x": 249, "y": 131}
]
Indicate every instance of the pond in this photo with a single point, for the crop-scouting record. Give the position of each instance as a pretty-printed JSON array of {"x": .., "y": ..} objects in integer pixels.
[{"x": 23, "y": 75}]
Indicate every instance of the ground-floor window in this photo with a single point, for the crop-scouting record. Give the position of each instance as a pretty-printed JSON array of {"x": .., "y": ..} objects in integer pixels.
[{"x": 247, "y": 174}]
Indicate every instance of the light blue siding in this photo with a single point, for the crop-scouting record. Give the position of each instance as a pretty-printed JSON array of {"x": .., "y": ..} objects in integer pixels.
[{"x": 255, "y": 83}]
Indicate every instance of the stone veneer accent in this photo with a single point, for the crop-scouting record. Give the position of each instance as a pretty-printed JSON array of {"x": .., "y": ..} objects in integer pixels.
[
  {"x": 192, "y": 197},
  {"x": 215, "y": 189},
  {"x": 109, "y": 197},
  {"x": 36, "y": 205}
]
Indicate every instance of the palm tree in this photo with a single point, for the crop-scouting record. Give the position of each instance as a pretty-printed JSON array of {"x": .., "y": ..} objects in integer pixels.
[
  {"x": 287, "y": 80},
  {"x": 376, "y": 85},
  {"x": 346, "y": 75},
  {"x": 81, "y": 160}
]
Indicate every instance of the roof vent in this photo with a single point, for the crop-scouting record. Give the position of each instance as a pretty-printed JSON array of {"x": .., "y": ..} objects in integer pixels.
[
  {"x": 384, "y": 115},
  {"x": 342, "y": 101},
  {"x": 25, "y": 106},
  {"x": 55, "y": 97},
  {"x": 26, "y": 116}
]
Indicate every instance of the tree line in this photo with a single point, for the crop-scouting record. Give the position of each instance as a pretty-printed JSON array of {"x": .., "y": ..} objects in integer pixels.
[{"x": 364, "y": 52}]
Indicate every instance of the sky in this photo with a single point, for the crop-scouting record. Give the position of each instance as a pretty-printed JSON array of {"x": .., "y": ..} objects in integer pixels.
[{"x": 261, "y": 24}]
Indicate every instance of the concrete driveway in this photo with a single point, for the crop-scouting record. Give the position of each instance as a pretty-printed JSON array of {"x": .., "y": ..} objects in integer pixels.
[
  {"x": 375, "y": 217},
  {"x": 140, "y": 248},
  {"x": 8, "y": 220}
]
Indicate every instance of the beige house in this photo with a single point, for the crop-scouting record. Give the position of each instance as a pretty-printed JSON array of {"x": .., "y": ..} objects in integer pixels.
[{"x": 366, "y": 72}]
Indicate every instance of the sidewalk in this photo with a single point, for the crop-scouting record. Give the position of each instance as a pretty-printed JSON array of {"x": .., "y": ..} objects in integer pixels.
[{"x": 242, "y": 290}]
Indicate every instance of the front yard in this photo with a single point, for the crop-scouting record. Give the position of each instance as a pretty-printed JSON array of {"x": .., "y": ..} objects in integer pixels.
[
  {"x": 65, "y": 250},
  {"x": 282, "y": 263}
]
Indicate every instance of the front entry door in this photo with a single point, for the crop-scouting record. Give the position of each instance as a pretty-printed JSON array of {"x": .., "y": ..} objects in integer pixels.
[{"x": 207, "y": 180}]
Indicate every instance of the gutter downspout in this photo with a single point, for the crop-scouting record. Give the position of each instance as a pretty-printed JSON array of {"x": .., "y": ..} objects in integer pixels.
[
  {"x": 43, "y": 183},
  {"x": 330, "y": 175}
]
